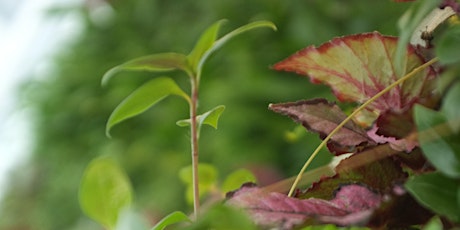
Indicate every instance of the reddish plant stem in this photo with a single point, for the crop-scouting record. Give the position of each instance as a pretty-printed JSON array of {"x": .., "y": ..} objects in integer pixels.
[{"x": 194, "y": 145}]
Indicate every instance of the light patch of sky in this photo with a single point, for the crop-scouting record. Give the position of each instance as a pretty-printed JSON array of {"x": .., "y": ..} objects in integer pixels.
[{"x": 28, "y": 38}]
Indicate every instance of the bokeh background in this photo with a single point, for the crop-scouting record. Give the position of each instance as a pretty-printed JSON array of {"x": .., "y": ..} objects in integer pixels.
[{"x": 68, "y": 108}]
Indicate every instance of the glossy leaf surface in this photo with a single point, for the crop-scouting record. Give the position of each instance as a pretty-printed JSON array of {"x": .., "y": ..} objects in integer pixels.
[
  {"x": 154, "y": 63},
  {"x": 143, "y": 98},
  {"x": 105, "y": 191}
]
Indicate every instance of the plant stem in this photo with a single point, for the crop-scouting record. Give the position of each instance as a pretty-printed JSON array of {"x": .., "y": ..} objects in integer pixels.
[
  {"x": 364, "y": 105},
  {"x": 194, "y": 145}
]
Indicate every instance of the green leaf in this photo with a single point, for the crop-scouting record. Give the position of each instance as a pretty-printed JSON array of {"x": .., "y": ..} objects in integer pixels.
[
  {"x": 205, "y": 42},
  {"x": 439, "y": 145},
  {"x": 407, "y": 25},
  {"x": 448, "y": 46},
  {"x": 154, "y": 63},
  {"x": 210, "y": 118},
  {"x": 143, "y": 98},
  {"x": 223, "y": 217},
  {"x": 208, "y": 179},
  {"x": 451, "y": 107},
  {"x": 434, "y": 224},
  {"x": 236, "y": 179},
  {"x": 437, "y": 192},
  {"x": 105, "y": 191},
  {"x": 173, "y": 218},
  {"x": 230, "y": 35}
]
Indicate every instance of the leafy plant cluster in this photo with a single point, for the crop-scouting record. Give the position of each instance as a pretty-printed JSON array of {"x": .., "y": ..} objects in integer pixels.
[{"x": 394, "y": 132}]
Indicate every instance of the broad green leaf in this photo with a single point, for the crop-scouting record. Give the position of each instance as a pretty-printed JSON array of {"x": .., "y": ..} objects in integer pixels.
[
  {"x": 236, "y": 179},
  {"x": 359, "y": 66},
  {"x": 105, "y": 191},
  {"x": 143, "y": 98},
  {"x": 438, "y": 144},
  {"x": 217, "y": 44},
  {"x": 173, "y": 218},
  {"x": 448, "y": 46},
  {"x": 451, "y": 107},
  {"x": 208, "y": 179},
  {"x": 205, "y": 42},
  {"x": 437, "y": 192},
  {"x": 154, "y": 63},
  {"x": 128, "y": 219},
  {"x": 210, "y": 118}
]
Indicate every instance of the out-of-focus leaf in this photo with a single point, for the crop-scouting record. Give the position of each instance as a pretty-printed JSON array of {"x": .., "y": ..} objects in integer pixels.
[
  {"x": 130, "y": 220},
  {"x": 105, "y": 191},
  {"x": 219, "y": 43},
  {"x": 210, "y": 118},
  {"x": 448, "y": 46},
  {"x": 451, "y": 108},
  {"x": 437, "y": 192},
  {"x": 205, "y": 42},
  {"x": 154, "y": 63},
  {"x": 438, "y": 143},
  {"x": 222, "y": 217},
  {"x": 143, "y": 98},
  {"x": 173, "y": 218},
  {"x": 320, "y": 116},
  {"x": 208, "y": 179},
  {"x": 434, "y": 224},
  {"x": 236, "y": 179},
  {"x": 409, "y": 24},
  {"x": 352, "y": 204},
  {"x": 359, "y": 66}
]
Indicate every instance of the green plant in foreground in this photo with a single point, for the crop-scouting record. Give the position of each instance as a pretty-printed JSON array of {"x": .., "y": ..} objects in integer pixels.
[{"x": 154, "y": 91}]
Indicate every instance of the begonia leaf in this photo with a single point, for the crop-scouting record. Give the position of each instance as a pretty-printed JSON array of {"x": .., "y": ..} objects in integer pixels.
[
  {"x": 359, "y": 66},
  {"x": 352, "y": 204},
  {"x": 321, "y": 116}
]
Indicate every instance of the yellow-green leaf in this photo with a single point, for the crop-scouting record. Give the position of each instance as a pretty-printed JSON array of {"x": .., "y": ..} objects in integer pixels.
[
  {"x": 105, "y": 191},
  {"x": 143, "y": 98}
]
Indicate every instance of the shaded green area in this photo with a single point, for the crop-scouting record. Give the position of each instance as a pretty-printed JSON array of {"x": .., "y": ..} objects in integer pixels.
[{"x": 71, "y": 108}]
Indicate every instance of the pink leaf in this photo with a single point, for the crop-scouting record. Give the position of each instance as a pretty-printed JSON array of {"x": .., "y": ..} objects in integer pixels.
[
  {"x": 321, "y": 116},
  {"x": 359, "y": 66},
  {"x": 352, "y": 204}
]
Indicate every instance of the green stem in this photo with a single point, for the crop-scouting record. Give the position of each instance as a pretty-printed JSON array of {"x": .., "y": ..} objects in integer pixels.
[
  {"x": 194, "y": 145},
  {"x": 364, "y": 105}
]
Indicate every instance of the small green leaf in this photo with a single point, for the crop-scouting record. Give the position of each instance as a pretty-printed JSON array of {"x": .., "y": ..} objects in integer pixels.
[
  {"x": 143, "y": 98},
  {"x": 434, "y": 224},
  {"x": 217, "y": 44},
  {"x": 205, "y": 42},
  {"x": 451, "y": 107},
  {"x": 437, "y": 192},
  {"x": 448, "y": 46},
  {"x": 439, "y": 145},
  {"x": 154, "y": 63},
  {"x": 210, "y": 118},
  {"x": 173, "y": 218},
  {"x": 105, "y": 191},
  {"x": 236, "y": 179}
]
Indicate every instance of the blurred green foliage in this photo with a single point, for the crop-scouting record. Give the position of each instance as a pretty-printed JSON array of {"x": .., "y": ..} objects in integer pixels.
[{"x": 71, "y": 108}]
